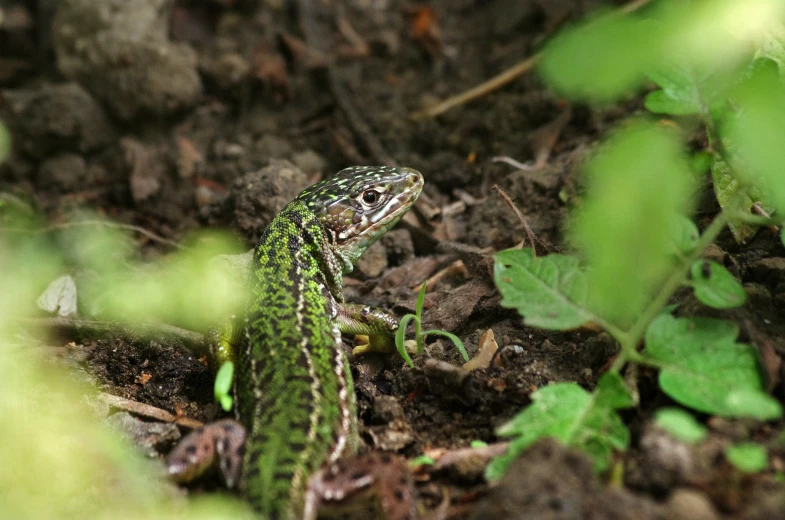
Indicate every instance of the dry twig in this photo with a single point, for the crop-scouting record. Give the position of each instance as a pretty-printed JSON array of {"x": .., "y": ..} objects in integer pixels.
[
  {"x": 501, "y": 79},
  {"x": 116, "y": 225},
  {"x": 147, "y": 410},
  {"x": 518, "y": 214}
]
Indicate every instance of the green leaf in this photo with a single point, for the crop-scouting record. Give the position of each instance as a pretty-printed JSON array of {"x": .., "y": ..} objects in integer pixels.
[
  {"x": 725, "y": 188},
  {"x": 659, "y": 102},
  {"x": 715, "y": 286},
  {"x": 748, "y": 457},
  {"x": 599, "y": 59},
  {"x": 478, "y": 444},
  {"x": 400, "y": 336},
  {"x": 773, "y": 46},
  {"x": 5, "y": 142},
  {"x": 549, "y": 292},
  {"x": 684, "y": 235},
  {"x": 680, "y": 94},
  {"x": 755, "y": 133},
  {"x": 452, "y": 337},
  {"x": 681, "y": 424},
  {"x": 612, "y": 392},
  {"x": 422, "y": 460},
  {"x": 223, "y": 385},
  {"x": 568, "y": 413},
  {"x": 418, "y": 335},
  {"x": 753, "y": 403},
  {"x": 702, "y": 366},
  {"x": 701, "y": 162},
  {"x": 639, "y": 182}
]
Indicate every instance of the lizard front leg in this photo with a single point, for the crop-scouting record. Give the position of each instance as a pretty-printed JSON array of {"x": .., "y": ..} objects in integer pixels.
[{"x": 378, "y": 325}]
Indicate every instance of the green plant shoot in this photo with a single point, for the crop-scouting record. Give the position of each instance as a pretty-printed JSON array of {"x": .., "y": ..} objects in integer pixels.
[{"x": 419, "y": 335}]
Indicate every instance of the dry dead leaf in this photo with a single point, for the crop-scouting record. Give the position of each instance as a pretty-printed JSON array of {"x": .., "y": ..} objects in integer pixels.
[{"x": 487, "y": 349}]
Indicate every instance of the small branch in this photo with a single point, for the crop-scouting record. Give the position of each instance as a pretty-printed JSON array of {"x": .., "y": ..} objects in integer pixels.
[
  {"x": 501, "y": 79},
  {"x": 453, "y": 457},
  {"x": 93, "y": 329},
  {"x": 515, "y": 164},
  {"x": 147, "y": 410},
  {"x": 518, "y": 214},
  {"x": 116, "y": 225},
  {"x": 480, "y": 90}
]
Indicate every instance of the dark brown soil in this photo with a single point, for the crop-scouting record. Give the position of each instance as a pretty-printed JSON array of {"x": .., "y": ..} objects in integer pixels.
[{"x": 216, "y": 113}]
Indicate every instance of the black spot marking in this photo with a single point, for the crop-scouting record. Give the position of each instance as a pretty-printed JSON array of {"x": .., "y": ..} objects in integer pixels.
[
  {"x": 357, "y": 475},
  {"x": 228, "y": 427},
  {"x": 329, "y": 476},
  {"x": 190, "y": 449},
  {"x": 228, "y": 464},
  {"x": 404, "y": 481},
  {"x": 398, "y": 495},
  {"x": 386, "y": 459}
]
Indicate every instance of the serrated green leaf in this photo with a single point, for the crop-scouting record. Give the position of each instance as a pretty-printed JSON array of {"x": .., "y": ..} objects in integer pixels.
[
  {"x": 681, "y": 424},
  {"x": 613, "y": 393},
  {"x": 748, "y": 457},
  {"x": 756, "y": 133},
  {"x": 773, "y": 46},
  {"x": 638, "y": 182},
  {"x": 725, "y": 188},
  {"x": 701, "y": 365},
  {"x": 552, "y": 413},
  {"x": 549, "y": 291},
  {"x": 568, "y": 413},
  {"x": 715, "y": 286}
]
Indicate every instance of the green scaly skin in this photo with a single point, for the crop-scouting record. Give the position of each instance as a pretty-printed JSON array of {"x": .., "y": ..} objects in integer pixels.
[{"x": 293, "y": 386}]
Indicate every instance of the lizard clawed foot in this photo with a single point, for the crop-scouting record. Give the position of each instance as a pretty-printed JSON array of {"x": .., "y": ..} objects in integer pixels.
[
  {"x": 220, "y": 443},
  {"x": 376, "y": 479},
  {"x": 368, "y": 344}
]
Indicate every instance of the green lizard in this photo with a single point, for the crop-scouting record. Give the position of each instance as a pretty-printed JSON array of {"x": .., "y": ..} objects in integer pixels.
[{"x": 291, "y": 451}]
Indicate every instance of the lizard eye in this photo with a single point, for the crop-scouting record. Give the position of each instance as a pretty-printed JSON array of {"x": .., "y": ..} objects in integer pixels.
[{"x": 370, "y": 196}]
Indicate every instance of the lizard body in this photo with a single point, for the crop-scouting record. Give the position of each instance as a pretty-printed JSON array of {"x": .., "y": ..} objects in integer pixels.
[{"x": 293, "y": 387}]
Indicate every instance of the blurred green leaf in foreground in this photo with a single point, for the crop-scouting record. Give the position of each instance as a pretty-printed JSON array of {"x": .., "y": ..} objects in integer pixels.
[{"x": 59, "y": 460}]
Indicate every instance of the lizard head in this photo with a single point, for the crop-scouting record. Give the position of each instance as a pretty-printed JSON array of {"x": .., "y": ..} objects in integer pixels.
[{"x": 358, "y": 205}]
